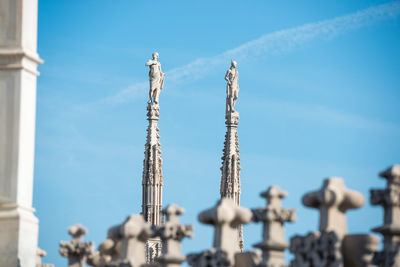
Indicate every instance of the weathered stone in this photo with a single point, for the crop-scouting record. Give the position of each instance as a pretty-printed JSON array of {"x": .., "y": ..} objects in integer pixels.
[
  {"x": 76, "y": 250},
  {"x": 210, "y": 258},
  {"x": 316, "y": 250},
  {"x": 358, "y": 250},
  {"x": 273, "y": 216},
  {"x": 389, "y": 198},
  {"x": 171, "y": 234},
  {"x": 332, "y": 201}
]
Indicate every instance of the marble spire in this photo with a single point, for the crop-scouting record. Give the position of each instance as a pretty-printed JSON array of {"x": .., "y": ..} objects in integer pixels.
[
  {"x": 230, "y": 179},
  {"x": 152, "y": 181}
]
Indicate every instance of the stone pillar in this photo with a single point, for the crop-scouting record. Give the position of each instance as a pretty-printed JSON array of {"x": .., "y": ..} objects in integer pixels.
[
  {"x": 332, "y": 201},
  {"x": 76, "y": 250},
  {"x": 171, "y": 235},
  {"x": 226, "y": 216},
  {"x": 389, "y": 199},
  {"x": 18, "y": 72},
  {"x": 273, "y": 216}
]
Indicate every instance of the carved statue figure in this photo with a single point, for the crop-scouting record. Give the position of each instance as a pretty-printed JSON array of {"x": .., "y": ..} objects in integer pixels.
[
  {"x": 232, "y": 87},
  {"x": 156, "y": 78}
]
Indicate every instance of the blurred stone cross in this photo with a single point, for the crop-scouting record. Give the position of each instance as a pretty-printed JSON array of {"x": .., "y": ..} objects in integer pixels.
[
  {"x": 76, "y": 250},
  {"x": 332, "y": 201},
  {"x": 273, "y": 216},
  {"x": 171, "y": 234}
]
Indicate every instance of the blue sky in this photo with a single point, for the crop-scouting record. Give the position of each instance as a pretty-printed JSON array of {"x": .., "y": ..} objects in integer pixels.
[{"x": 319, "y": 97}]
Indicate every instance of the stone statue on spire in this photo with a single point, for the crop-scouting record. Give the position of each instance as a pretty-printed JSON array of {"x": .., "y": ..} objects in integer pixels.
[
  {"x": 156, "y": 78},
  {"x": 232, "y": 87}
]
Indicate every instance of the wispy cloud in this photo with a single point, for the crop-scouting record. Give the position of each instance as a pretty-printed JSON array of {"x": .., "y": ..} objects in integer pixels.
[
  {"x": 271, "y": 43},
  {"x": 321, "y": 115}
]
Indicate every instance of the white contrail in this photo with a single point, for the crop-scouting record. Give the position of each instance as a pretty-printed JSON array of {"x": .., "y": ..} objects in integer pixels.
[{"x": 272, "y": 43}]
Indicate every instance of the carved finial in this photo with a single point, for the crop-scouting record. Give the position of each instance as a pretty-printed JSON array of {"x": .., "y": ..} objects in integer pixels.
[
  {"x": 40, "y": 253},
  {"x": 273, "y": 216},
  {"x": 226, "y": 216},
  {"x": 76, "y": 250},
  {"x": 389, "y": 199},
  {"x": 332, "y": 201},
  {"x": 172, "y": 234}
]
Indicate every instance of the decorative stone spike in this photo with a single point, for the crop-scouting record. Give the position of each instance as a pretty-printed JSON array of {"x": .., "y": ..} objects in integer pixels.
[
  {"x": 76, "y": 250},
  {"x": 230, "y": 179},
  {"x": 273, "y": 216},
  {"x": 171, "y": 235},
  {"x": 152, "y": 182},
  {"x": 389, "y": 199},
  {"x": 332, "y": 201},
  {"x": 226, "y": 216}
]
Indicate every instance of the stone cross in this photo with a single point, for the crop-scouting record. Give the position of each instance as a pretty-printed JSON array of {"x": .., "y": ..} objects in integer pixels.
[
  {"x": 134, "y": 233},
  {"x": 332, "y": 201},
  {"x": 226, "y": 216},
  {"x": 76, "y": 250},
  {"x": 389, "y": 198},
  {"x": 273, "y": 216},
  {"x": 171, "y": 234}
]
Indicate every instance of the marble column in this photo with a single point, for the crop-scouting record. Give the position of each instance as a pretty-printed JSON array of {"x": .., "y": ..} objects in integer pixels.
[{"x": 18, "y": 72}]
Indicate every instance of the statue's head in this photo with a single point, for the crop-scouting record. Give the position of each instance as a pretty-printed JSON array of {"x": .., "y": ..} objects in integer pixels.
[
  {"x": 155, "y": 55},
  {"x": 233, "y": 64}
]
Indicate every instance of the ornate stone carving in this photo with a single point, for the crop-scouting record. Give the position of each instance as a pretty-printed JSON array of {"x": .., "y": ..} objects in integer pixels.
[
  {"x": 152, "y": 181},
  {"x": 389, "y": 198},
  {"x": 156, "y": 78},
  {"x": 316, "y": 250},
  {"x": 230, "y": 178},
  {"x": 273, "y": 216},
  {"x": 332, "y": 201},
  {"x": 76, "y": 250},
  {"x": 171, "y": 234}
]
